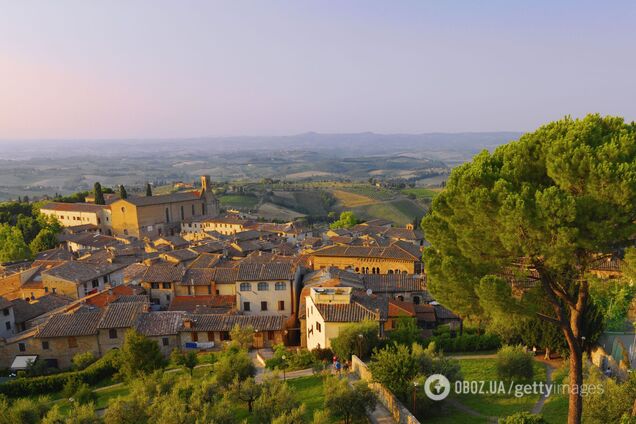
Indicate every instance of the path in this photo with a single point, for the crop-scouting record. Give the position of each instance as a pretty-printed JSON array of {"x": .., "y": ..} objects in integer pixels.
[
  {"x": 380, "y": 415},
  {"x": 262, "y": 372},
  {"x": 549, "y": 368}
]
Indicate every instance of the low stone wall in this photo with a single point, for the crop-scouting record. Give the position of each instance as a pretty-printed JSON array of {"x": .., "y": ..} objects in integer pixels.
[
  {"x": 602, "y": 359},
  {"x": 400, "y": 413}
]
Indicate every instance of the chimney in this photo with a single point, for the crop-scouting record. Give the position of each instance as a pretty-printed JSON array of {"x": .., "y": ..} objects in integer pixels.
[
  {"x": 409, "y": 227},
  {"x": 187, "y": 323},
  {"x": 146, "y": 307}
]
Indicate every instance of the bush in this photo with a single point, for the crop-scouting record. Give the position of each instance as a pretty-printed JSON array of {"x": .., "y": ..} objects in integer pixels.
[
  {"x": 522, "y": 418},
  {"x": 465, "y": 342},
  {"x": 84, "y": 394},
  {"x": 514, "y": 363},
  {"x": 97, "y": 371},
  {"x": 349, "y": 341},
  {"x": 294, "y": 360},
  {"x": 82, "y": 360}
]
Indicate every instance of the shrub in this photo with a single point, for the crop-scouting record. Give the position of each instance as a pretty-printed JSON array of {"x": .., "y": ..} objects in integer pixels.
[
  {"x": 522, "y": 418},
  {"x": 514, "y": 363},
  {"x": 349, "y": 341},
  {"x": 97, "y": 371},
  {"x": 82, "y": 360},
  {"x": 84, "y": 394},
  {"x": 465, "y": 342}
]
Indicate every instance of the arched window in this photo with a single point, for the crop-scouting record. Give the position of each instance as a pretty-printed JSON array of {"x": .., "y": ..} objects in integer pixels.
[
  {"x": 245, "y": 287},
  {"x": 390, "y": 271},
  {"x": 263, "y": 286},
  {"x": 280, "y": 286}
]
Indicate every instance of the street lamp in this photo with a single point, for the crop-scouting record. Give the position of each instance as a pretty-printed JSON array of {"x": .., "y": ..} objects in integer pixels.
[
  {"x": 360, "y": 337},
  {"x": 284, "y": 358}
]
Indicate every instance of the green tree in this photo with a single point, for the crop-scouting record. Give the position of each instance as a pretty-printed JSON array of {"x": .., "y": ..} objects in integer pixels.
[
  {"x": 295, "y": 416},
  {"x": 546, "y": 205},
  {"x": 406, "y": 331},
  {"x": 245, "y": 391},
  {"x": 187, "y": 360},
  {"x": 395, "y": 367},
  {"x": 356, "y": 339},
  {"x": 12, "y": 245},
  {"x": 234, "y": 363},
  {"x": 611, "y": 405},
  {"x": 45, "y": 240},
  {"x": 23, "y": 410},
  {"x": 514, "y": 363},
  {"x": 28, "y": 226},
  {"x": 523, "y": 418},
  {"x": 148, "y": 189},
  {"x": 275, "y": 399},
  {"x": 129, "y": 410},
  {"x": 139, "y": 355},
  {"x": 242, "y": 336},
  {"x": 122, "y": 192},
  {"x": 347, "y": 403},
  {"x": 347, "y": 220},
  {"x": 99, "y": 194}
]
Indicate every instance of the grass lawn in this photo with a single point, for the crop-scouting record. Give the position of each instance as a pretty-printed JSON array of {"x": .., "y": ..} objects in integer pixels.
[
  {"x": 238, "y": 200},
  {"x": 555, "y": 409},
  {"x": 420, "y": 192}
]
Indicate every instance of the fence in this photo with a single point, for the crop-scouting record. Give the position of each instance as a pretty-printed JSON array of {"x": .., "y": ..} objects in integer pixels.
[{"x": 400, "y": 413}]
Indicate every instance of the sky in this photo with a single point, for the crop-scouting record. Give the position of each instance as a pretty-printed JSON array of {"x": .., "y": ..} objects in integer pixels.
[{"x": 165, "y": 69}]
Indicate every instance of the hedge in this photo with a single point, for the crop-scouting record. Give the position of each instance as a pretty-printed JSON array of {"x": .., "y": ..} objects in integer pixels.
[
  {"x": 30, "y": 386},
  {"x": 465, "y": 342}
]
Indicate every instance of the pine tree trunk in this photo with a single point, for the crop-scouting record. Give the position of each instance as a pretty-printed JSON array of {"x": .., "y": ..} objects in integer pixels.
[{"x": 575, "y": 407}]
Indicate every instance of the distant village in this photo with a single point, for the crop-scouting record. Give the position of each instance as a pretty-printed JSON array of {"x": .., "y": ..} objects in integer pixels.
[{"x": 178, "y": 271}]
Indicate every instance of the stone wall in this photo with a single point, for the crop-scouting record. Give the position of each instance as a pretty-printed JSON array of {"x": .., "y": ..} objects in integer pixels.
[{"x": 400, "y": 413}]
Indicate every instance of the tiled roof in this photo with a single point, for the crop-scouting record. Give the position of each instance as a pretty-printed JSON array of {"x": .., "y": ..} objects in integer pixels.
[
  {"x": 132, "y": 298},
  {"x": 73, "y": 207},
  {"x": 199, "y": 277},
  {"x": 162, "y": 323},
  {"x": 210, "y": 247},
  {"x": 121, "y": 315},
  {"x": 82, "y": 323},
  {"x": 213, "y": 304},
  {"x": 266, "y": 271},
  {"x": 443, "y": 313},
  {"x": 390, "y": 283},
  {"x": 209, "y": 322},
  {"x": 206, "y": 260},
  {"x": 394, "y": 251},
  {"x": 4, "y": 303},
  {"x": 404, "y": 234},
  {"x": 134, "y": 272},
  {"x": 399, "y": 308},
  {"x": 24, "y": 311},
  {"x": 163, "y": 273},
  {"x": 55, "y": 254},
  {"x": 182, "y": 255},
  {"x": 159, "y": 199},
  {"x": 78, "y": 271},
  {"x": 608, "y": 264},
  {"x": 362, "y": 307},
  {"x": 225, "y": 275},
  {"x": 172, "y": 240}
]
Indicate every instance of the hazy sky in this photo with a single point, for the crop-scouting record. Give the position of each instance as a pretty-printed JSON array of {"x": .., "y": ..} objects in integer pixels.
[{"x": 105, "y": 69}]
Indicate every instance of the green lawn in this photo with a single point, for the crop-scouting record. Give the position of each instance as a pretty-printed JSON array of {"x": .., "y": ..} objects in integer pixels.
[
  {"x": 238, "y": 201},
  {"x": 420, "y": 192}
]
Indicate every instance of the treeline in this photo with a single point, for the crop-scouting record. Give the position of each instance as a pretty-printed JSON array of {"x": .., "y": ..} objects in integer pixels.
[{"x": 24, "y": 231}]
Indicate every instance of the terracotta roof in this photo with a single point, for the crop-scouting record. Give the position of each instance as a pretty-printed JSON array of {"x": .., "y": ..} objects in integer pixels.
[
  {"x": 399, "y": 308},
  {"x": 73, "y": 207},
  {"x": 108, "y": 296},
  {"x": 198, "y": 277},
  {"x": 211, "y": 247},
  {"x": 443, "y": 313},
  {"x": 206, "y": 260},
  {"x": 394, "y": 251},
  {"x": 391, "y": 283},
  {"x": 134, "y": 272},
  {"x": 77, "y": 271},
  {"x": 93, "y": 240},
  {"x": 54, "y": 254},
  {"x": 362, "y": 307},
  {"x": 163, "y": 273},
  {"x": 132, "y": 298},
  {"x": 213, "y": 304},
  {"x": 404, "y": 234},
  {"x": 162, "y": 323},
  {"x": 171, "y": 240},
  {"x": 81, "y": 323},
  {"x": 425, "y": 312},
  {"x": 24, "y": 311},
  {"x": 182, "y": 255},
  {"x": 209, "y": 322},
  {"x": 266, "y": 271},
  {"x": 225, "y": 275},
  {"x": 121, "y": 315},
  {"x": 608, "y": 264},
  {"x": 159, "y": 199}
]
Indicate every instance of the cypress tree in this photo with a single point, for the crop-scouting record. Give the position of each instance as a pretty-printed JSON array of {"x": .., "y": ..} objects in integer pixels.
[
  {"x": 99, "y": 195},
  {"x": 122, "y": 192},
  {"x": 148, "y": 190}
]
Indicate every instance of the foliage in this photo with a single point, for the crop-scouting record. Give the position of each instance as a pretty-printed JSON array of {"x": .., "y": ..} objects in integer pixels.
[
  {"x": 45, "y": 240},
  {"x": 523, "y": 418},
  {"x": 556, "y": 199},
  {"x": 465, "y": 342},
  {"x": 245, "y": 391},
  {"x": 349, "y": 342},
  {"x": 187, "y": 360},
  {"x": 99, "y": 194},
  {"x": 82, "y": 360},
  {"x": 122, "y": 192},
  {"x": 12, "y": 245},
  {"x": 139, "y": 355},
  {"x": 84, "y": 394},
  {"x": 100, "y": 369},
  {"x": 294, "y": 359},
  {"x": 613, "y": 404},
  {"x": 275, "y": 399},
  {"x": 614, "y": 299},
  {"x": 234, "y": 363},
  {"x": 148, "y": 189},
  {"x": 23, "y": 411},
  {"x": 347, "y": 220},
  {"x": 514, "y": 363},
  {"x": 345, "y": 402},
  {"x": 295, "y": 416},
  {"x": 243, "y": 336},
  {"x": 406, "y": 331}
]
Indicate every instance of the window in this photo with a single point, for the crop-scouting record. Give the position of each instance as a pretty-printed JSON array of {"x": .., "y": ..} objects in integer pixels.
[
  {"x": 5, "y": 312},
  {"x": 154, "y": 285},
  {"x": 46, "y": 289},
  {"x": 53, "y": 289},
  {"x": 112, "y": 333},
  {"x": 263, "y": 286},
  {"x": 318, "y": 327},
  {"x": 280, "y": 286},
  {"x": 166, "y": 285},
  {"x": 195, "y": 336},
  {"x": 209, "y": 289},
  {"x": 202, "y": 208},
  {"x": 21, "y": 347},
  {"x": 167, "y": 215},
  {"x": 182, "y": 213},
  {"x": 210, "y": 336},
  {"x": 270, "y": 335},
  {"x": 95, "y": 283},
  {"x": 45, "y": 345},
  {"x": 8, "y": 325},
  {"x": 246, "y": 306},
  {"x": 281, "y": 305},
  {"x": 225, "y": 335},
  {"x": 72, "y": 342},
  {"x": 263, "y": 306},
  {"x": 245, "y": 287},
  {"x": 416, "y": 300},
  {"x": 193, "y": 209},
  {"x": 165, "y": 341}
]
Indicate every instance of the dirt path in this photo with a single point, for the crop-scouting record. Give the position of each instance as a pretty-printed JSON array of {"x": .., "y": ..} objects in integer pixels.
[{"x": 536, "y": 409}]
